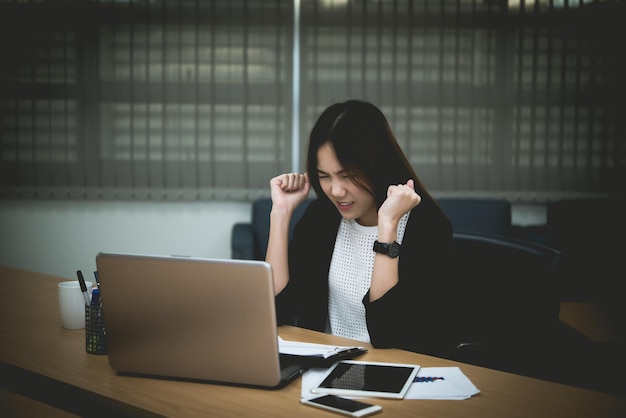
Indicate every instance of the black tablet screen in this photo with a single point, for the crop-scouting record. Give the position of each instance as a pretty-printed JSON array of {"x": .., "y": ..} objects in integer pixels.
[{"x": 368, "y": 377}]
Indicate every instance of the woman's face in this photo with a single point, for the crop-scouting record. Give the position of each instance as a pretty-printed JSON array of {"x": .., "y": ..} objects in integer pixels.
[{"x": 351, "y": 200}]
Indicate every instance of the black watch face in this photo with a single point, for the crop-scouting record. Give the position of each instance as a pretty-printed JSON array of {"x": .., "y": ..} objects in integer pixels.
[{"x": 394, "y": 250}]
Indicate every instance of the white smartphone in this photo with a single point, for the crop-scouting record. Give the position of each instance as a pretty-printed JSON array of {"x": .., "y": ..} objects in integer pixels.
[{"x": 345, "y": 406}]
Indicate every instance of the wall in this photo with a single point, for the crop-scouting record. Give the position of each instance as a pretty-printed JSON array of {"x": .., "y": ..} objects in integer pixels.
[{"x": 60, "y": 237}]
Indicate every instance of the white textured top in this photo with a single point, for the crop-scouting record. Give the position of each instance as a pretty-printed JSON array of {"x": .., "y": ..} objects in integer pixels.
[{"x": 350, "y": 276}]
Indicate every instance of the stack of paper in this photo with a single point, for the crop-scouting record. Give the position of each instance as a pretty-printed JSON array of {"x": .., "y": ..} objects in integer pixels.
[
  {"x": 297, "y": 348},
  {"x": 441, "y": 383}
]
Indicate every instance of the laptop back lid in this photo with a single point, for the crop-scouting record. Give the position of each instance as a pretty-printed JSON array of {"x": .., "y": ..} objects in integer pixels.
[{"x": 190, "y": 318}]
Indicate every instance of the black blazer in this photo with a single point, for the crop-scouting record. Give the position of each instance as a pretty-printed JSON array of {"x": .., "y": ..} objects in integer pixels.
[{"x": 413, "y": 315}]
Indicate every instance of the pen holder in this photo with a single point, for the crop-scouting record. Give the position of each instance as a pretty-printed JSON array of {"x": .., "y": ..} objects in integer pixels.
[{"x": 95, "y": 333}]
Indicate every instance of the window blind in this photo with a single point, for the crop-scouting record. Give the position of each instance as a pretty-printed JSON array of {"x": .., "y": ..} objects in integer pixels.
[
  {"x": 507, "y": 98},
  {"x": 147, "y": 100},
  {"x": 192, "y": 100}
]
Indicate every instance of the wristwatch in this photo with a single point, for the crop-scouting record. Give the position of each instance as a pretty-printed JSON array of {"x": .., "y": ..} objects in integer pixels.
[{"x": 392, "y": 250}]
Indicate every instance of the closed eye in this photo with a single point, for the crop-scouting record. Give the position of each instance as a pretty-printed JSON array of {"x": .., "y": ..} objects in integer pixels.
[
  {"x": 346, "y": 174},
  {"x": 322, "y": 175}
]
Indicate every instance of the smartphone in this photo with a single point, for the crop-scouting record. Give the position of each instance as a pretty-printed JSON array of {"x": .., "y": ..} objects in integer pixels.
[{"x": 344, "y": 406}]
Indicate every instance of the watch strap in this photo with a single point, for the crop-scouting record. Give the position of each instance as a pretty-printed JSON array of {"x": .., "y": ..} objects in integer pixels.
[{"x": 389, "y": 249}]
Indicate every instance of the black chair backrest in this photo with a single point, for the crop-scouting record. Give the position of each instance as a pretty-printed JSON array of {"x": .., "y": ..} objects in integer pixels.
[
  {"x": 261, "y": 222},
  {"x": 504, "y": 288}
]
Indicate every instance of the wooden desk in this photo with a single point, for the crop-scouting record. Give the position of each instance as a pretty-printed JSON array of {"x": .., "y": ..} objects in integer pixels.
[{"x": 44, "y": 364}]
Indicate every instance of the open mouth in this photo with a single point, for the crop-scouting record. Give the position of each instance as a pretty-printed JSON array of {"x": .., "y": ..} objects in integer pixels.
[{"x": 345, "y": 205}]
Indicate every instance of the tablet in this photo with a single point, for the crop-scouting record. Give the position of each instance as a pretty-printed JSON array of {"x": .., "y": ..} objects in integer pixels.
[{"x": 367, "y": 378}]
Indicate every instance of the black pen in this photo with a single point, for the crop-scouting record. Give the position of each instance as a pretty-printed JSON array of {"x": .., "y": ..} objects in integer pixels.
[
  {"x": 83, "y": 287},
  {"x": 95, "y": 274}
]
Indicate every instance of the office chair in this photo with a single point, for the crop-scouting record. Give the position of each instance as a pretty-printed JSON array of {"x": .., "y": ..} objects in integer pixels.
[
  {"x": 504, "y": 296},
  {"x": 249, "y": 239}
]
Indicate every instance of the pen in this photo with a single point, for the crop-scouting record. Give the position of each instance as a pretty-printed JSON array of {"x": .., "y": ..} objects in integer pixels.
[
  {"x": 95, "y": 297},
  {"x": 95, "y": 274},
  {"x": 83, "y": 287}
]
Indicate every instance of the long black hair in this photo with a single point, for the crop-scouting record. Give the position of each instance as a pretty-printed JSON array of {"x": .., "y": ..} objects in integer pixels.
[{"x": 365, "y": 147}]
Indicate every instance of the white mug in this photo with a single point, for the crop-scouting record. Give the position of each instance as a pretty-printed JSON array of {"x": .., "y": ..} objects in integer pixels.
[{"x": 72, "y": 304}]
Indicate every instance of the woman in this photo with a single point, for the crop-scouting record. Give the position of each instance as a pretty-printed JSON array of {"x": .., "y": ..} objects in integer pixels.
[{"x": 366, "y": 259}]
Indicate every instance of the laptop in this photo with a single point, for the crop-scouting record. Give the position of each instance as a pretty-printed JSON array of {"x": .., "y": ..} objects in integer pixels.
[{"x": 191, "y": 318}]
